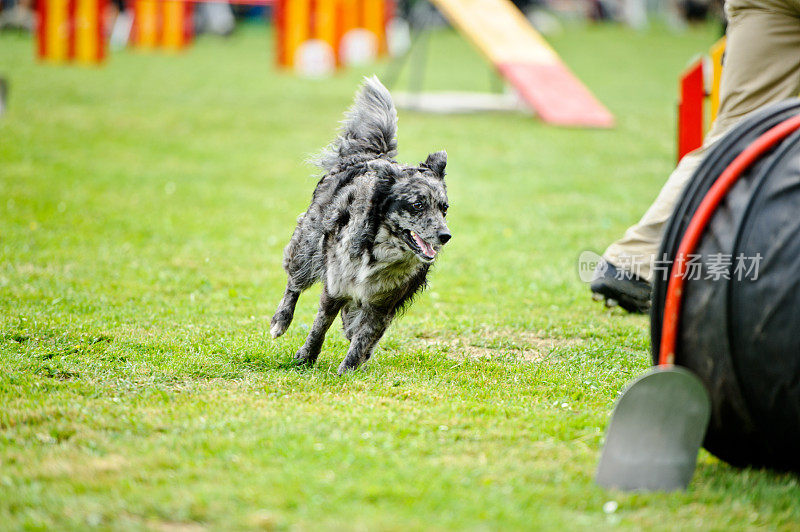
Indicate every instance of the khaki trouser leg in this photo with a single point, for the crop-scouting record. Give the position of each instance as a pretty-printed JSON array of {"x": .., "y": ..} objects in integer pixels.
[{"x": 762, "y": 65}]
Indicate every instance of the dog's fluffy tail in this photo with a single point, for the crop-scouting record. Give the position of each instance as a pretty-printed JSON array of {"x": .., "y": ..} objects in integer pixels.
[{"x": 369, "y": 127}]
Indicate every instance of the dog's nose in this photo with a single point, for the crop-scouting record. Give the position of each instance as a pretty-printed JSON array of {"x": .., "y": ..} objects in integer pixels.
[{"x": 444, "y": 236}]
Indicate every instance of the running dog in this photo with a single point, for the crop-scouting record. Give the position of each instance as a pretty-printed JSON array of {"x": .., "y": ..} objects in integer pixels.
[{"x": 371, "y": 233}]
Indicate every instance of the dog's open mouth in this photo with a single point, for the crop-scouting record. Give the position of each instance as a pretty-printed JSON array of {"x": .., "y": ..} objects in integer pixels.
[{"x": 419, "y": 246}]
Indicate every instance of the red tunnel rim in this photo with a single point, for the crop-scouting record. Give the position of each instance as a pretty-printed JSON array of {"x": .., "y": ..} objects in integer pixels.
[{"x": 698, "y": 224}]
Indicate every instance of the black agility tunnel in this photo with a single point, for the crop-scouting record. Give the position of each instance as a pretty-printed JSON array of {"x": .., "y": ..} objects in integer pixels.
[{"x": 739, "y": 327}]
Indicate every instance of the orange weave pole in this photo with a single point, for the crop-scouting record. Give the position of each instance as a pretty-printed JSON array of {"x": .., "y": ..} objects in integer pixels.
[
  {"x": 161, "y": 24},
  {"x": 71, "y": 30},
  {"x": 299, "y": 21}
]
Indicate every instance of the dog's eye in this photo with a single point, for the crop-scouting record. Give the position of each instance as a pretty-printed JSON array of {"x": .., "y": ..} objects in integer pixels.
[
  {"x": 418, "y": 206},
  {"x": 444, "y": 209}
]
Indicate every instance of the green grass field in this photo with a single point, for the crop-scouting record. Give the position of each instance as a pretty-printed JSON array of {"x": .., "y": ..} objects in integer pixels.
[{"x": 145, "y": 206}]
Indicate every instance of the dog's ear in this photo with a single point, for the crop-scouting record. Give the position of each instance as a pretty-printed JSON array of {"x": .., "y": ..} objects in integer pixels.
[{"x": 436, "y": 163}]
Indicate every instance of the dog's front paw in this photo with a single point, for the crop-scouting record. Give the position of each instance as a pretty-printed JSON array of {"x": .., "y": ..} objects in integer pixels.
[
  {"x": 347, "y": 365},
  {"x": 278, "y": 325},
  {"x": 304, "y": 358}
]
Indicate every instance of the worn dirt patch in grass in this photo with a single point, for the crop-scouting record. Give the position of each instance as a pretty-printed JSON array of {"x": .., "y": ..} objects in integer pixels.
[
  {"x": 88, "y": 468},
  {"x": 525, "y": 345},
  {"x": 163, "y": 525}
]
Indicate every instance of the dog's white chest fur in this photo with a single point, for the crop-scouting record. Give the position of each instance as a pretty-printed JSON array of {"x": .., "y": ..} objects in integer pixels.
[{"x": 367, "y": 278}]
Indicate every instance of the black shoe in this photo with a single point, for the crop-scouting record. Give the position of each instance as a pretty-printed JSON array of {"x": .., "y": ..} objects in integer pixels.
[{"x": 621, "y": 287}]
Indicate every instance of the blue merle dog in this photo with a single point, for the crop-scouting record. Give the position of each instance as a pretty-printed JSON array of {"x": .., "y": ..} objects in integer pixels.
[{"x": 372, "y": 231}]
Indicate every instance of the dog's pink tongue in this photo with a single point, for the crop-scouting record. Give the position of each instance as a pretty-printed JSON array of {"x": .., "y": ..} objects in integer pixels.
[{"x": 427, "y": 250}]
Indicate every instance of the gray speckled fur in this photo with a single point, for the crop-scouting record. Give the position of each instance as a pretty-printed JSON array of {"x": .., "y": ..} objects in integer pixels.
[{"x": 356, "y": 236}]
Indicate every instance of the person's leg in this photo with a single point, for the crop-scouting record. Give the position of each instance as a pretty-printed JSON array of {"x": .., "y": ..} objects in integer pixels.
[
  {"x": 634, "y": 252},
  {"x": 762, "y": 65}
]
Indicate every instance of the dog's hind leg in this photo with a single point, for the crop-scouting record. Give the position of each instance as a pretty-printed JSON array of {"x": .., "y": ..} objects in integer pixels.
[
  {"x": 365, "y": 328},
  {"x": 349, "y": 312},
  {"x": 328, "y": 309},
  {"x": 285, "y": 312},
  {"x": 299, "y": 259}
]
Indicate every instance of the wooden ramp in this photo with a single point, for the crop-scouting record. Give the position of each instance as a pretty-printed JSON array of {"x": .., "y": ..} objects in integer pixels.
[{"x": 503, "y": 34}]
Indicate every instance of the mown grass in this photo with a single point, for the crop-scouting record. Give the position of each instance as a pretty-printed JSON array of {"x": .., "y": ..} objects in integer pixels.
[{"x": 145, "y": 206}]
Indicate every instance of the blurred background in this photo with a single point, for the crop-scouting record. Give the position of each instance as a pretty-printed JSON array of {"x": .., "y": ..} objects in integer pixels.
[
  {"x": 150, "y": 143},
  {"x": 546, "y": 15},
  {"x": 152, "y": 167}
]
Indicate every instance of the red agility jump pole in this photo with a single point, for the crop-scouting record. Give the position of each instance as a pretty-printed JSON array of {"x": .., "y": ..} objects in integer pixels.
[
  {"x": 694, "y": 89},
  {"x": 690, "y": 109}
]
